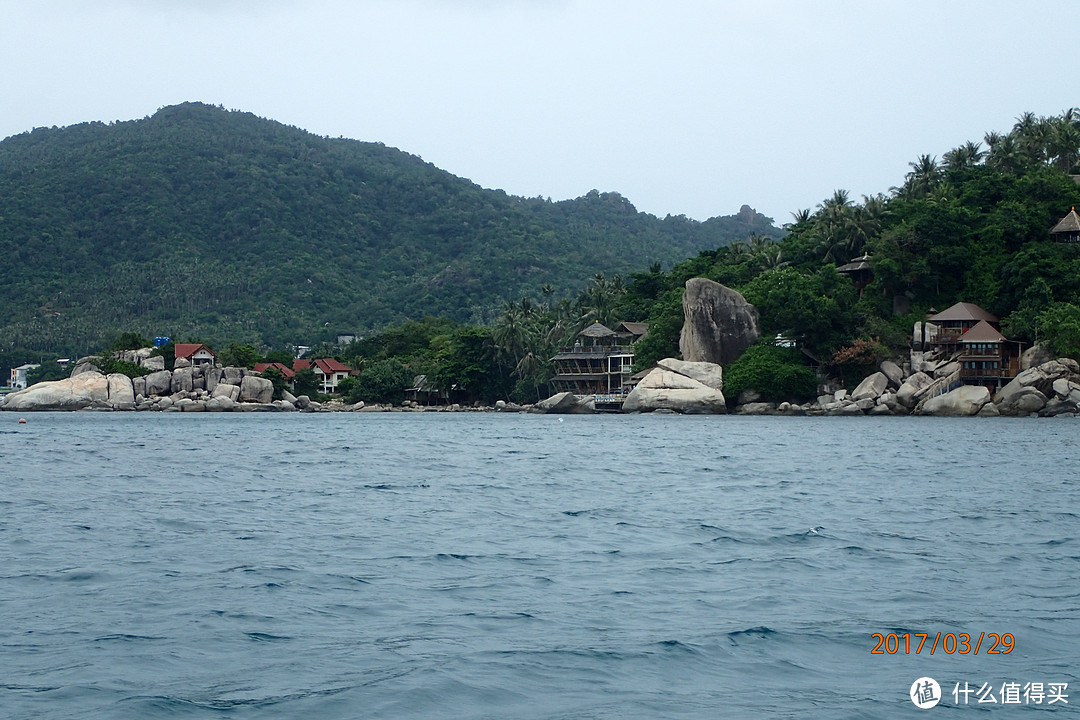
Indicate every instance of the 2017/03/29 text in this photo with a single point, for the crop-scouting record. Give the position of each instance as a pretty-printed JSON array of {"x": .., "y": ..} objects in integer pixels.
[{"x": 948, "y": 643}]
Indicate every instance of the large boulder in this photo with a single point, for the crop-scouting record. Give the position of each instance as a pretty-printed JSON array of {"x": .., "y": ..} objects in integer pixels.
[
  {"x": 181, "y": 379},
  {"x": 965, "y": 400},
  {"x": 1019, "y": 400},
  {"x": 1067, "y": 390},
  {"x": 232, "y": 392},
  {"x": 233, "y": 376},
  {"x": 153, "y": 363},
  {"x": 121, "y": 391},
  {"x": 1034, "y": 356},
  {"x": 946, "y": 370},
  {"x": 73, "y": 393},
  {"x": 159, "y": 383},
  {"x": 871, "y": 387},
  {"x": 706, "y": 373},
  {"x": 559, "y": 403},
  {"x": 893, "y": 372},
  {"x": 913, "y": 389},
  {"x": 220, "y": 403},
  {"x": 1041, "y": 377},
  {"x": 85, "y": 365},
  {"x": 666, "y": 389},
  {"x": 718, "y": 323},
  {"x": 756, "y": 408},
  {"x": 254, "y": 389}
]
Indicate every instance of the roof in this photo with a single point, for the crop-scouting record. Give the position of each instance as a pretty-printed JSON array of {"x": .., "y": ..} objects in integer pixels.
[
  {"x": 634, "y": 328},
  {"x": 596, "y": 330},
  {"x": 283, "y": 369},
  {"x": 1069, "y": 224},
  {"x": 186, "y": 350},
  {"x": 984, "y": 332},
  {"x": 329, "y": 366},
  {"x": 964, "y": 311},
  {"x": 300, "y": 364},
  {"x": 856, "y": 264}
]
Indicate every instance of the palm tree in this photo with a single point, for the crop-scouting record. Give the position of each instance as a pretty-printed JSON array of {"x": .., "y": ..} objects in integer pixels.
[
  {"x": 1063, "y": 144},
  {"x": 924, "y": 175},
  {"x": 801, "y": 217},
  {"x": 966, "y": 156}
]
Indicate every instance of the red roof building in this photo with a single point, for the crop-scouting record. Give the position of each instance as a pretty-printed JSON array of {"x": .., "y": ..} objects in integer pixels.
[
  {"x": 196, "y": 353},
  {"x": 285, "y": 370},
  {"x": 328, "y": 370}
]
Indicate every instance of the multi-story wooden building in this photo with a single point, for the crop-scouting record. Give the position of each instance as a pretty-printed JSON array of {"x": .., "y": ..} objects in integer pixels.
[
  {"x": 972, "y": 337},
  {"x": 599, "y": 361}
]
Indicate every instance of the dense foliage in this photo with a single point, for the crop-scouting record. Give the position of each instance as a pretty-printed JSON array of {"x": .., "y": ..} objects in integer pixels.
[
  {"x": 973, "y": 227},
  {"x": 778, "y": 373},
  {"x": 199, "y": 222}
]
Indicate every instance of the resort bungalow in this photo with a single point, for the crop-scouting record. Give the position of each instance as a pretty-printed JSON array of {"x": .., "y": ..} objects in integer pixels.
[
  {"x": 328, "y": 371},
  {"x": 987, "y": 357},
  {"x": 1068, "y": 228},
  {"x": 956, "y": 321},
  {"x": 599, "y": 362},
  {"x": 195, "y": 353},
  {"x": 972, "y": 337}
]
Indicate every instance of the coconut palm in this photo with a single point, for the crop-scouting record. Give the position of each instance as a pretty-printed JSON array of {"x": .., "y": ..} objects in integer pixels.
[{"x": 925, "y": 174}]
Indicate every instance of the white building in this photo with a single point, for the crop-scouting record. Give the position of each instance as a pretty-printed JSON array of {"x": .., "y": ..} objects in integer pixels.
[{"x": 18, "y": 375}]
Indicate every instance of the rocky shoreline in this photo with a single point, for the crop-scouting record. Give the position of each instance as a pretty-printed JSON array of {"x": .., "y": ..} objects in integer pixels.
[{"x": 1049, "y": 389}]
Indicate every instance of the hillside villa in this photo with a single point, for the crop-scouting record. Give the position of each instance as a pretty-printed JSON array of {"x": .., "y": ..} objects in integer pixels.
[{"x": 971, "y": 336}]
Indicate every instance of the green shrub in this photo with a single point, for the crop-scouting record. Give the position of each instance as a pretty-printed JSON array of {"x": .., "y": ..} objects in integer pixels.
[
  {"x": 383, "y": 381},
  {"x": 110, "y": 365},
  {"x": 1059, "y": 330},
  {"x": 778, "y": 373}
]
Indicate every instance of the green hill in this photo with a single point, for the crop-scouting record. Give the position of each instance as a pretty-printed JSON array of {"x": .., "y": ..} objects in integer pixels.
[
  {"x": 200, "y": 222},
  {"x": 973, "y": 226}
]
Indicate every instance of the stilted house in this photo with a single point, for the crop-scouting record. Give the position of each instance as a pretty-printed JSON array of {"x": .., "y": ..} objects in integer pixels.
[
  {"x": 972, "y": 337},
  {"x": 954, "y": 322},
  {"x": 860, "y": 270},
  {"x": 987, "y": 357},
  {"x": 599, "y": 362},
  {"x": 1068, "y": 228}
]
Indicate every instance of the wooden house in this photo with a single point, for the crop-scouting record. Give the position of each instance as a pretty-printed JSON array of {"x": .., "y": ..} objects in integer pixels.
[
  {"x": 987, "y": 357},
  {"x": 599, "y": 361},
  {"x": 972, "y": 337},
  {"x": 954, "y": 322}
]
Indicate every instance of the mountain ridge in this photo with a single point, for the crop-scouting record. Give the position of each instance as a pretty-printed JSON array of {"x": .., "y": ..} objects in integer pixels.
[{"x": 202, "y": 222}]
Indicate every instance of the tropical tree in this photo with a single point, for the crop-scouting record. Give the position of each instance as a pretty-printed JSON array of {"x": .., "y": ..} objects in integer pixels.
[{"x": 925, "y": 174}]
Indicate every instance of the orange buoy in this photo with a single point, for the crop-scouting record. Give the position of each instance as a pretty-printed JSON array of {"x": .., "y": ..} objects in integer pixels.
[{"x": 22, "y": 421}]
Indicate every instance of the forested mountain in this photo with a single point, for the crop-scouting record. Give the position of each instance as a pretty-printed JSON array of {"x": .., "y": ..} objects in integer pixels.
[{"x": 203, "y": 223}]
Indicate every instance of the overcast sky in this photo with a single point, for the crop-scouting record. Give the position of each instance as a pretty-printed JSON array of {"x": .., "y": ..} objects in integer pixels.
[{"x": 685, "y": 107}]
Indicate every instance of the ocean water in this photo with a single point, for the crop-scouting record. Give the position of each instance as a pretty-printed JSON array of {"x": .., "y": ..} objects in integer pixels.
[{"x": 530, "y": 566}]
